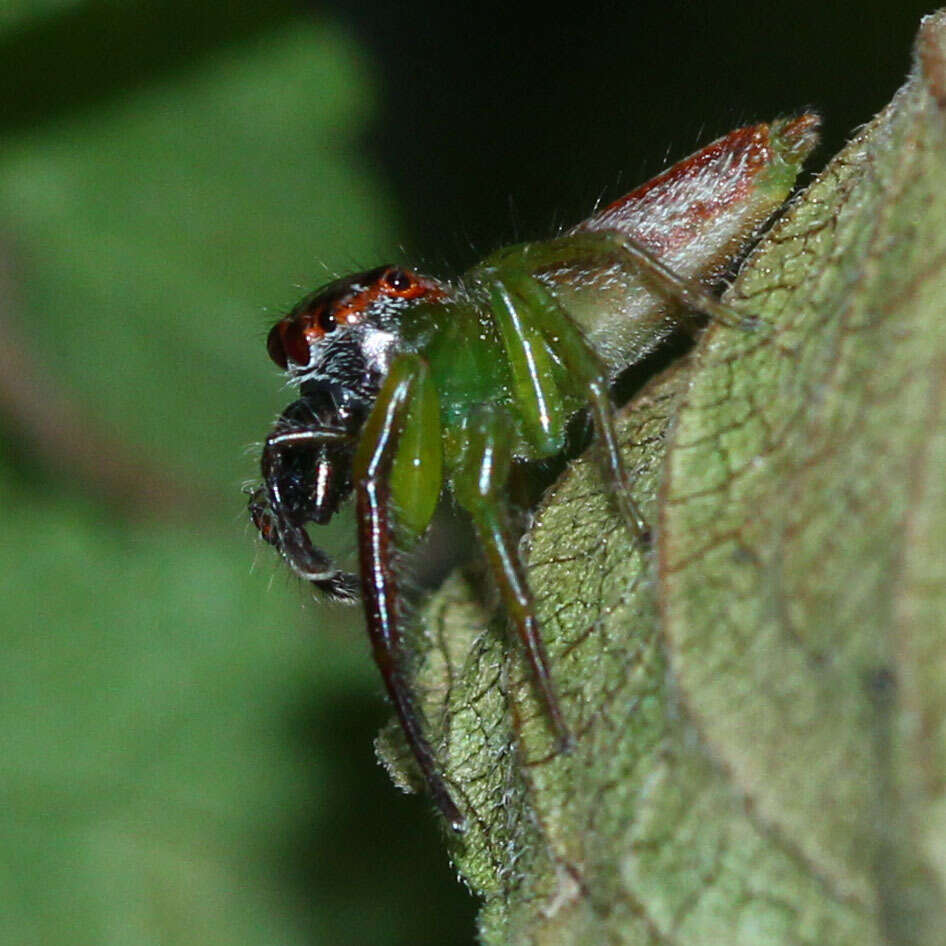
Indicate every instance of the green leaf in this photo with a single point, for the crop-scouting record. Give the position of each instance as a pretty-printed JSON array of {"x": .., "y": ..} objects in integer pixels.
[
  {"x": 761, "y": 754},
  {"x": 15, "y": 14}
]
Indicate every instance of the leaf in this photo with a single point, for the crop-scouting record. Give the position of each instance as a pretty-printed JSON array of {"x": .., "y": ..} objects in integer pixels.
[
  {"x": 15, "y": 14},
  {"x": 759, "y": 704}
]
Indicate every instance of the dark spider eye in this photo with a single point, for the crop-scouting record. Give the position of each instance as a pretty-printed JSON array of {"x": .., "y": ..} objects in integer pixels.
[
  {"x": 286, "y": 342},
  {"x": 276, "y": 348},
  {"x": 326, "y": 321},
  {"x": 398, "y": 280}
]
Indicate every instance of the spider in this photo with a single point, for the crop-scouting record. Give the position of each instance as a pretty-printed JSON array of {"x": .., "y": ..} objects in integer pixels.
[{"x": 409, "y": 385}]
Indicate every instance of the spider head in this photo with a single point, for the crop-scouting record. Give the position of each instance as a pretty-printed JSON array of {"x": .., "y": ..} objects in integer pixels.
[{"x": 342, "y": 337}]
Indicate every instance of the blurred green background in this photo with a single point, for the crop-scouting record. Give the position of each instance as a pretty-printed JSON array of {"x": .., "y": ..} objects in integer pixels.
[{"x": 185, "y": 738}]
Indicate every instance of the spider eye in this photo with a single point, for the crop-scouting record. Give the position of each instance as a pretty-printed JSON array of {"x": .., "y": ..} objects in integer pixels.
[
  {"x": 326, "y": 321},
  {"x": 275, "y": 347},
  {"x": 398, "y": 280},
  {"x": 286, "y": 342}
]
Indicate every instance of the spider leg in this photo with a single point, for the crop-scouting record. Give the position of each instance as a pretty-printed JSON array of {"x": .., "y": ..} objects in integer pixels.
[
  {"x": 375, "y": 461},
  {"x": 539, "y": 309},
  {"x": 307, "y": 437},
  {"x": 587, "y": 245},
  {"x": 537, "y": 396},
  {"x": 478, "y": 482},
  {"x": 281, "y": 518},
  {"x": 688, "y": 292}
]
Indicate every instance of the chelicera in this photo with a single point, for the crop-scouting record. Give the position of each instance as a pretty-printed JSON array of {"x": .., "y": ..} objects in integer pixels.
[{"x": 409, "y": 385}]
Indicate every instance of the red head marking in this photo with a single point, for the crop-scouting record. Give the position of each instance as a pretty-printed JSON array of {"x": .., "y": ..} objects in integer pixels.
[{"x": 341, "y": 304}]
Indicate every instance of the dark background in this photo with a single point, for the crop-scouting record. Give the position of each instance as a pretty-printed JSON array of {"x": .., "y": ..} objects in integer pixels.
[
  {"x": 185, "y": 758},
  {"x": 495, "y": 116}
]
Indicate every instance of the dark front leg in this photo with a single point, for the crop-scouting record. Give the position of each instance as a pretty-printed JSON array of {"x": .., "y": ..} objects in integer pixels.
[
  {"x": 376, "y": 547},
  {"x": 305, "y": 478}
]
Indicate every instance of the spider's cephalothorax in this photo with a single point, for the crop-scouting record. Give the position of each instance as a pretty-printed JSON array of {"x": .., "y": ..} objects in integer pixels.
[
  {"x": 337, "y": 343},
  {"x": 341, "y": 338},
  {"x": 409, "y": 385}
]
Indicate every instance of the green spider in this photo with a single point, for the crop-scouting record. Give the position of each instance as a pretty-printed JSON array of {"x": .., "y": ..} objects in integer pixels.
[{"x": 410, "y": 385}]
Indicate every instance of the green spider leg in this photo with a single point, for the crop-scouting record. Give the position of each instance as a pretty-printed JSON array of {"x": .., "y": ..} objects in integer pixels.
[
  {"x": 479, "y": 481},
  {"x": 590, "y": 375},
  {"x": 403, "y": 427},
  {"x": 398, "y": 465},
  {"x": 531, "y": 325},
  {"x": 582, "y": 245},
  {"x": 598, "y": 243}
]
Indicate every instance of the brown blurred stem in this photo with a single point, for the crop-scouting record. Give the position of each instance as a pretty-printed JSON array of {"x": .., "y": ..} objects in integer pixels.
[{"x": 52, "y": 428}]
